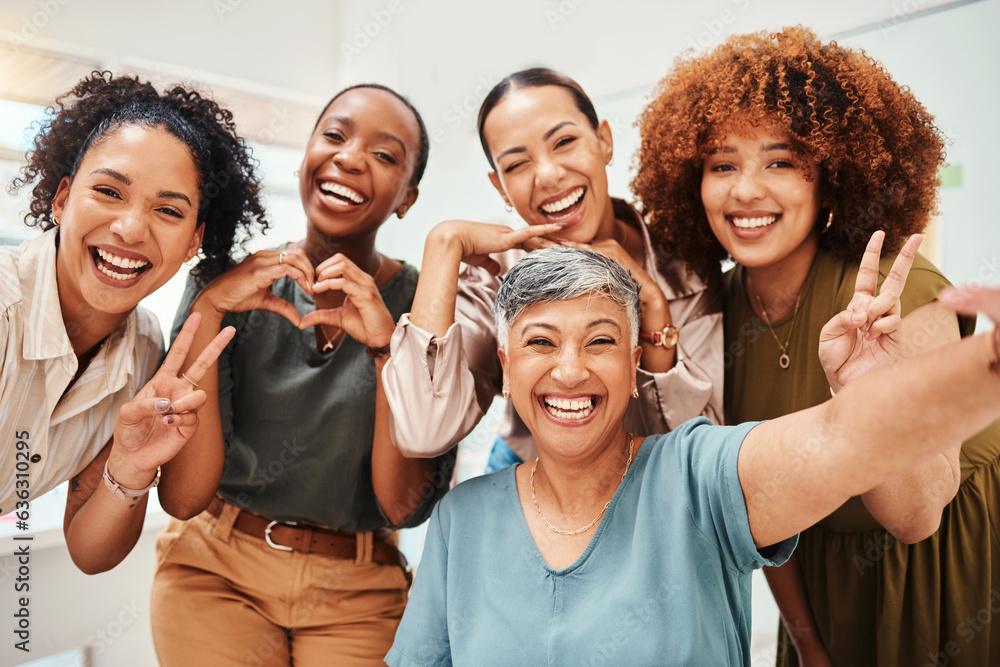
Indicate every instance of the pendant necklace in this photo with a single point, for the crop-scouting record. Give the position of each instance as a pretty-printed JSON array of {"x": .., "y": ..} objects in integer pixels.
[{"x": 783, "y": 361}]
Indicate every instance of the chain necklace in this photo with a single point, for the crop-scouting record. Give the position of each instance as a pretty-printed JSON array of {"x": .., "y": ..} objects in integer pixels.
[
  {"x": 531, "y": 483},
  {"x": 334, "y": 341},
  {"x": 784, "y": 361}
]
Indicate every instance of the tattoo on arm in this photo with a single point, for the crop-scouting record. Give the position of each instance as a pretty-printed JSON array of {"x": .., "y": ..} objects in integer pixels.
[{"x": 74, "y": 484}]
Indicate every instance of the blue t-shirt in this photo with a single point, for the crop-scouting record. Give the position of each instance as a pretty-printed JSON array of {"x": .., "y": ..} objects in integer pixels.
[{"x": 665, "y": 579}]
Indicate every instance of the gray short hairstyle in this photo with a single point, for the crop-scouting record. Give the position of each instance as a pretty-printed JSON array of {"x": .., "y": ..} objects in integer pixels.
[{"x": 559, "y": 273}]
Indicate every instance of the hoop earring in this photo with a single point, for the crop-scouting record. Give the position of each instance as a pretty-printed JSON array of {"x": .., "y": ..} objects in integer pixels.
[
  {"x": 506, "y": 394},
  {"x": 295, "y": 173},
  {"x": 829, "y": 221}
]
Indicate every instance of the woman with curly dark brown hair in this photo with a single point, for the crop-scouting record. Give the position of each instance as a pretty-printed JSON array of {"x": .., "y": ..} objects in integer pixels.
[
  {"x": 129, "y": 183},
  {"x": 786, "y": 154}
]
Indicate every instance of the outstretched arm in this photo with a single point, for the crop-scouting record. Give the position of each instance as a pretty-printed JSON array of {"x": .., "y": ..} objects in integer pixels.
[
  {"x": 152, "y": 428},
  {"x": 797, "y": 469},
  {"x": 870, "y": 334}
]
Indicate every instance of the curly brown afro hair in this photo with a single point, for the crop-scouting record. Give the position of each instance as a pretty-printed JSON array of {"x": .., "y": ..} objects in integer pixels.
[
  {"x": 877, "y": 146},
  {"x": 229, "y": 206}
]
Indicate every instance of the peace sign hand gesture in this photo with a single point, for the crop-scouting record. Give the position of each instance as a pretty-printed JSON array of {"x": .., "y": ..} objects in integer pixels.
[
  {"x": 867, "y": 334},
  {"x": 154, "y": 426}
]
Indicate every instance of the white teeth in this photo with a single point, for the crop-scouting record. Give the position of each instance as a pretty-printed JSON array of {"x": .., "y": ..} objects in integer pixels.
[
  {"x": 565, "y": 202},
  {"x": 119, "y": 263},
  {"x": 343, "y": 191},
  {"x": 754, "y": 223},
  {"x": 116, "y": 276},
  {"x": 567, "y": 409}
]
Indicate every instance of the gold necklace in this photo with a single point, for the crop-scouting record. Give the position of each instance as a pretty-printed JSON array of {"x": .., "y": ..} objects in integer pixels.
[
  {"x": 784, "y": 361},
  {"x": 334, "y": 341},
  {"x": 531, "y": 483}
]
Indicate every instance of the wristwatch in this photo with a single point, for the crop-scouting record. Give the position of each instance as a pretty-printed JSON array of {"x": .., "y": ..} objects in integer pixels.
[
  {"x": 123, "y": 492},
  {"x": 666, "y": 339}
]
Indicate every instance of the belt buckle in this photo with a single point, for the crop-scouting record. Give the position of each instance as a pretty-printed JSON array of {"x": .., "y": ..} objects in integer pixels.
[{"x": 267, "y": 535}]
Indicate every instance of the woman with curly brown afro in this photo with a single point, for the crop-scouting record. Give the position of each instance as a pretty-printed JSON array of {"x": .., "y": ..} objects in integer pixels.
[
  {"x": 786, "y": 154},
  {"x": 129, "y": 183}
]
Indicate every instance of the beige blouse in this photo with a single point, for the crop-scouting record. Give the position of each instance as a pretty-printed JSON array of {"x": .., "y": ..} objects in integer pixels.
[
  {"x": 440, "y": 388},
  {"x": 52, "y": 430}
]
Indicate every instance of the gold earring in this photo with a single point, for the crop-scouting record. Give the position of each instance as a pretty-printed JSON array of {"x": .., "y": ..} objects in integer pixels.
[
  {"x": 829, "y": 221},
  {"x": 506, "y": 394},
  {"x": 635, "y": 392}
]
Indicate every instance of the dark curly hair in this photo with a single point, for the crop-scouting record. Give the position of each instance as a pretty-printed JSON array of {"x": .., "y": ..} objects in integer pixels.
[
  {"x": 425, "y": 144},
  {"x": 877, "y": 146},
  {"x": 230, "y": 203}
]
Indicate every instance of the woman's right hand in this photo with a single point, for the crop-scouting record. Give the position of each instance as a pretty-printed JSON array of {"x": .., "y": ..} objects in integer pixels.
[
  {"x": 247, "y": 286},
  {"x": 867, "y": 334},
  {"x": 477, "y": 240}
]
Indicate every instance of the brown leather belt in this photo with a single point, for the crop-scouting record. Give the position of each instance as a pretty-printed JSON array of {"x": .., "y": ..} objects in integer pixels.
[{"x": 308, "y": 538}]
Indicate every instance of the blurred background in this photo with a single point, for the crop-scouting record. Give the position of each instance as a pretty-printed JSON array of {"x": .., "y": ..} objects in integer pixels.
[{"x": 276, "y": 66}]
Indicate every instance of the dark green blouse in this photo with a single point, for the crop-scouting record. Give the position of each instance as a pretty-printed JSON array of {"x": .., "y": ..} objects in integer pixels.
[{"x": 298, "y": 424}]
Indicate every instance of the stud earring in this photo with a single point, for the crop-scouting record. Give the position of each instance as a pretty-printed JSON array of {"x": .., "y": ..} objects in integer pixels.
[
  {"x": 635, "y": 392},
  {"x": 506, "y": 205},
  {"x": 506, "y": 394},
  {"x": 611, "y": 161},
  {"x": 295, "y": 173}
]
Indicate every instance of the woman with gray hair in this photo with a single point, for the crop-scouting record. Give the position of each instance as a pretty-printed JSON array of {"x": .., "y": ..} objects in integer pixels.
[{"x": 664, "y": 531}]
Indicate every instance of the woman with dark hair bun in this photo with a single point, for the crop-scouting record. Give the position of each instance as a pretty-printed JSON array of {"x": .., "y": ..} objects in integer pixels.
[
  {"x": 548, "y": 153},
  {"x": 786, "y": 154},
  {"x": 292, "y": 486},
  {"x": 123, "y": 188}
]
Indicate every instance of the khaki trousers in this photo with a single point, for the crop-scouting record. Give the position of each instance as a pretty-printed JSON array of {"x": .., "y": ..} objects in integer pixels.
[{"x": 222, "y": 597}]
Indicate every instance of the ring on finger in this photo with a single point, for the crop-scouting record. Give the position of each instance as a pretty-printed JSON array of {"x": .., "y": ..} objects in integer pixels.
[
  {"x": 193, "y": 383},
  {"x": 281, "y": 257}
]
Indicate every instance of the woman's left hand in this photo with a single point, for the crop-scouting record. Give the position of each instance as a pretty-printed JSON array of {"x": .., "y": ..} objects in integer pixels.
[
  {"x": 867, "y": 334},
  {"x": 363, "y": 315},
  {"x": 154, "y": 426}
]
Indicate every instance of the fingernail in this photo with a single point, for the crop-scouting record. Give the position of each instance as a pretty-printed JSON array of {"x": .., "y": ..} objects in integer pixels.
[
  {"x": 162, "y": 404},
  {"x": 170, "y": 420}
]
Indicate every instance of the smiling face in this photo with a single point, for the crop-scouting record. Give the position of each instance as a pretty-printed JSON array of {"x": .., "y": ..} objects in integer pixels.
[
  {"x": 550, "y": 162},
  {"x": 359, "y": 163},
  {"x": 758, "y": 201},
  {"x": 127, "y": 221},
  {"x": 570, "y": 371}
]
